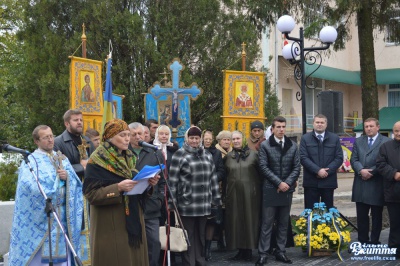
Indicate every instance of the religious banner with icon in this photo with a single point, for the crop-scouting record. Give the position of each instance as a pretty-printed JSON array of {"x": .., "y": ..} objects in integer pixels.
[
  {"x": 169, "y": 103},
  {"x": 86, "y": 92},
  {"x": 243, "y": 99}
]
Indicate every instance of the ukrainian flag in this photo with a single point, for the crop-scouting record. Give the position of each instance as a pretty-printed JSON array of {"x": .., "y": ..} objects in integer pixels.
[{"x": 108, "y": 101}]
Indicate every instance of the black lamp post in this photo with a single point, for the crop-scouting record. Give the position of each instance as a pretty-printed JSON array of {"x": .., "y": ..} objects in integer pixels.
[{"x": 299, "y": 55}]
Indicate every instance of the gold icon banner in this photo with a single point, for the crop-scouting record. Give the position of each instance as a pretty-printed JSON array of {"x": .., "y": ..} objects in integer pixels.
[{"x": 243, "y": 99}]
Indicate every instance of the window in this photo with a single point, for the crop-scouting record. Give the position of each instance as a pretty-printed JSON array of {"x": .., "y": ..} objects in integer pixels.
[
  {"x": 394, "y": 95},
  {"x": 393, "y": 28},
  {"x": 312, "y": 21},
  {"x": 312, "y": 99}
]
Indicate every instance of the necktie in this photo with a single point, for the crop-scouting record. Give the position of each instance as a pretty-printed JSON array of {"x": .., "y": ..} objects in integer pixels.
[
  {"x": 319, "y": 137},
  {"x": 281, "y": 143},
  {"x": 370, "y": 142}
]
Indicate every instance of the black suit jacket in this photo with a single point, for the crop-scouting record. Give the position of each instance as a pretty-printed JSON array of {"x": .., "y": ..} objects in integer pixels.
[{"x": 66, "y": 145}]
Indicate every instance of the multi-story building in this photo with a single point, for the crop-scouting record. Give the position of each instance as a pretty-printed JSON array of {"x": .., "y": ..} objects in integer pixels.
[{"x": 340, "y": 71}]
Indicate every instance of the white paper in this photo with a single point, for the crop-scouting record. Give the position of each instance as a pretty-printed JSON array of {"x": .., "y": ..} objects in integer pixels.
[
  {"x": 143, "y": 179},
  {"x": 140, "y": 187}
]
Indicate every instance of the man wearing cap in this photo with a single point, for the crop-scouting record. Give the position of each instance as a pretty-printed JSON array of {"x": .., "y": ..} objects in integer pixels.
[{"x": 256, "y": 135}]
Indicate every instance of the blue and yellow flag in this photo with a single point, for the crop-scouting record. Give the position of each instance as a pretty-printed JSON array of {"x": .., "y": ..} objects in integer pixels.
[{"x": 108, "y": 101}]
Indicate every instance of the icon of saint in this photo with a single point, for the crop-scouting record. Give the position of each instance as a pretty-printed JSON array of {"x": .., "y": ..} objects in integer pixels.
[
  {"x": 87, "y": 92},
  {"x": 244, "y": 99}
]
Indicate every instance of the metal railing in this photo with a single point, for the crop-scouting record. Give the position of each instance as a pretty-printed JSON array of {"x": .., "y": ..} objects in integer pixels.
[{"x": 293, "y": 123}]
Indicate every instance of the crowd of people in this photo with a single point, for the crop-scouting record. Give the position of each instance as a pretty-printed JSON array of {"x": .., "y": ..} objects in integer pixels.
[{"x": 237, "y": 191}]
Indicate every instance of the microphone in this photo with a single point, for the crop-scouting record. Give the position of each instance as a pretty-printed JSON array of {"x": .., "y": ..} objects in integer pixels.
[
  {"x": 9, "y": 148},
  {"x": 147, "y": 145}
]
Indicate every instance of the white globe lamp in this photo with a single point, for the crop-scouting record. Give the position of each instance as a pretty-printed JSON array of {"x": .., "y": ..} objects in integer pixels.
[
  {"x": 285, "y": 24},
  {"x": 328, "y": 34}
]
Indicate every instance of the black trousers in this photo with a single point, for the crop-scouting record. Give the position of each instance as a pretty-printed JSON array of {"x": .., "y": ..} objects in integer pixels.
[
  {"x": 313, "y": 195},
  {"x": 196, "y": 230},
  {"x": 363, "y": 222},
  {"x": 394, "y": 233}
]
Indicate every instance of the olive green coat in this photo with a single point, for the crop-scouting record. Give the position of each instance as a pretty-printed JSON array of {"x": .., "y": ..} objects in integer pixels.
[
  {"x": 243, "y": 201},
  {"x": 108, "y": 233}
]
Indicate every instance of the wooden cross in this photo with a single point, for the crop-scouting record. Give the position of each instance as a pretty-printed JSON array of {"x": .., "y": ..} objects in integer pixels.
[
  {"x": 82, "y": 149},
  {"x": 58, "y": 158}
]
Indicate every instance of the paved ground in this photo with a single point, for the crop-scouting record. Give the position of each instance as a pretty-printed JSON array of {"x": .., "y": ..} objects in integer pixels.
[{"x": 297, "y": 256}]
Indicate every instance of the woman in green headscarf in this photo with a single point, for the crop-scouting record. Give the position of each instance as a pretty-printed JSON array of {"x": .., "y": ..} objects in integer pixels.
[
  {"x": 118, "y": 235},
  {"x": 243, "y": 198}
]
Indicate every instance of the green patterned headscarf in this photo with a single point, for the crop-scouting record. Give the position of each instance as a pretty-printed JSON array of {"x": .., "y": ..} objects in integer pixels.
[{"x": 106, "y": 156}]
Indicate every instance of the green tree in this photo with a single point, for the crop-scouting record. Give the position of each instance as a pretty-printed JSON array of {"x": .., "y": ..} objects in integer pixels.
[
  {"x": 8, "y": 180},
  {"x": 370, "y": 15},
  {"x": 12, "y": 113},
  {"x": 146, "y": 35}
]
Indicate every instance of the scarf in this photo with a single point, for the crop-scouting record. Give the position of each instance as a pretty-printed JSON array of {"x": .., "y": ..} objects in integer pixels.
[
  {"x": 162, "y": 146},
  {"x": 241, "y": 153},
  {"x": 222, "y": 150},
  {"x": 106, "y": 157}
]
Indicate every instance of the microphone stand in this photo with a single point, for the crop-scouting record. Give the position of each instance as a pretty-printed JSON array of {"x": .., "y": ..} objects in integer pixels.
[
  {"x": 50, "y": 209},
  {"x": 175, "y": 210}
]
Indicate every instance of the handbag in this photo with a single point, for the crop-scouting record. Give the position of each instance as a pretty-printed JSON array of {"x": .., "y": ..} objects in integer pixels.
[{"x": 177, "y": 241}]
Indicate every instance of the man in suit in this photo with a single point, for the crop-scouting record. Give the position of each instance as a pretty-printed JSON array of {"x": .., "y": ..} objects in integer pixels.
[
  {"x": 280, "y": 168},
  {"x": 321, "y": 155},
  {"x": 368, "y": 183}
]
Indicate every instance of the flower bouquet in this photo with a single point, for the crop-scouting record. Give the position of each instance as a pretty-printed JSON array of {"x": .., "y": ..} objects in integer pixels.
[{"x": 320, "y": 232}]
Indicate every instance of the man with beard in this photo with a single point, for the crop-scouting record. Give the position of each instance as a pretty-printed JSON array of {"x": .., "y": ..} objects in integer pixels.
[{"x": 77, "y": 149}]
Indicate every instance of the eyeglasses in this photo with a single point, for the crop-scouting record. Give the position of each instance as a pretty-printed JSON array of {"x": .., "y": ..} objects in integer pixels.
[{"x": 49, "y": 137}]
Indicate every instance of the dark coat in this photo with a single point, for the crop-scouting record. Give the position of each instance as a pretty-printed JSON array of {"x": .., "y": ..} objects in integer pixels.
[
  {"x": 218, "y": 162},
  {"x": 66, "y": 145},
  {"x": 367, "y": 191},
  {"x": 109, "y": 238},
  {"x": 243, "y": 200},
  {"x": 153, "y": 203},
  {"x": 315, "y": 155},
  {"x": 388, "y": 164},
  {"x": 279, "y": 165}
]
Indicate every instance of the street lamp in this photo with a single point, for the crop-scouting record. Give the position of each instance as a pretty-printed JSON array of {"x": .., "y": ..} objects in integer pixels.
[{"x": 296, "y": 54}]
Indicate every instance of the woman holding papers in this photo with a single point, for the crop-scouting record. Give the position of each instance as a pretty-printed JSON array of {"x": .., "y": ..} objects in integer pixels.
[
  {"x": 116, "y": 220},
  {"x": 194, "y": 185},
  {"x": 243, "y": 198}
]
